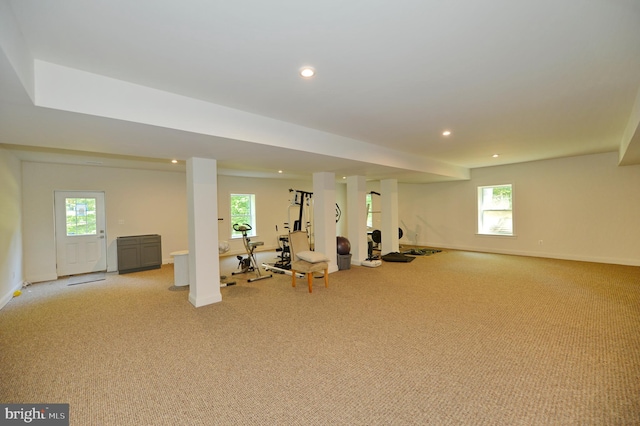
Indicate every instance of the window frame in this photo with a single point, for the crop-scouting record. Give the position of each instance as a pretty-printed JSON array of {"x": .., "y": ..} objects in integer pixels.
[
  {"x": 237, "y": 235},
  {"x": 481, "y": 209}
]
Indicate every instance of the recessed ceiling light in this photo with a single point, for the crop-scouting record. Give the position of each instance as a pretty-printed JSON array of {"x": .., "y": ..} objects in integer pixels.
[
  {"x": 496, "y": 155},
  {"x": 279, "y": 171},
  {"x": 174, "y": 161},
  {"x": 307, "y": 72},
  {"x": 446, "y": 133}
]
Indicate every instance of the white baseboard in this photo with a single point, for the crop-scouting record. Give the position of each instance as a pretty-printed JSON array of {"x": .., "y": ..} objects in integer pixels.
[
  {"x": 6, "y": 298},
  {"x": 203, "y": 301},
  {"x": 560, "y": 256}
]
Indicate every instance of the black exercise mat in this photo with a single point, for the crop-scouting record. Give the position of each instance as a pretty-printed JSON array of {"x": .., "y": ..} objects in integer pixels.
[{"x": 397, "y": 257}]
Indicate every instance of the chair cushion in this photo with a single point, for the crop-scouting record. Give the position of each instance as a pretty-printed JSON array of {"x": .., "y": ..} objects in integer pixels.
[
  {"x": 312, "y": 256},
  {"x": 305, "y": 267}
]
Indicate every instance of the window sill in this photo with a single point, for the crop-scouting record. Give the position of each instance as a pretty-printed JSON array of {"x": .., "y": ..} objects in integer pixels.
[{"x": 496, "y": 235}]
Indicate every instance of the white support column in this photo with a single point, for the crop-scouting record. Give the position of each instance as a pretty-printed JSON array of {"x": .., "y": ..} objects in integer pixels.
[
  {"x": 202, "y": 200},
  {"x": 357, "y": 218},
  {"x": 324, "y": 216},
  {"x": 389, "y": 213}
]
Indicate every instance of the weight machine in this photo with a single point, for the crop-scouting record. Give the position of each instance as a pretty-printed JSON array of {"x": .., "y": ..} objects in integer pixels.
[{"x": 301, "y": 220}]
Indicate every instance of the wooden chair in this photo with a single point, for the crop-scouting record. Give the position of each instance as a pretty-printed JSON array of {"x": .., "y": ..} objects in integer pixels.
[{"x": 305, "y": 261}]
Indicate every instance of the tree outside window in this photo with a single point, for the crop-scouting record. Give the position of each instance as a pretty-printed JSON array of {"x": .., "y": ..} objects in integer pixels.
[
  {"x": 495, "y": 210},
  {"x": 243, "y": 211},
  {"x": 81, "y": 216}
]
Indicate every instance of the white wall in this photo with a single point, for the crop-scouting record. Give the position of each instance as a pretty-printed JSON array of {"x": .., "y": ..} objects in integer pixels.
[
  {"x": 137, "y": 202},
  {"x": 582, "y": 208},
  {"x": 142, "y": 202},
  {"x": 11, "y": 274},
  {"x": 273, "y": 201},
  {"x": 342, "y": 228}
]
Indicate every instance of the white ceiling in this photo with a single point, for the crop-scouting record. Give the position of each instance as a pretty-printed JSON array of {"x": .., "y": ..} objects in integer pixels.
[{"x": 527, "y": 80}]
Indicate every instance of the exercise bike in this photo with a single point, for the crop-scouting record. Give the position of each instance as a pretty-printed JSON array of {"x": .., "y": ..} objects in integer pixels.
[{"x": 248, "y": 264}]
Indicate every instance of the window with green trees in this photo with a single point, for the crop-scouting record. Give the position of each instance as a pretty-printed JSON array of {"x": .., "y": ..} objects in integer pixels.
[
  {"x": 81, "y": 216},
  {"x": 495, "y": 210},
  {"x": 243, "y": 210}
]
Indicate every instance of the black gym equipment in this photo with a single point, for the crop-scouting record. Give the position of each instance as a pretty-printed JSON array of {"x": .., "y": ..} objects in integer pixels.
[
  {"x": 283, "y": 265},
  {"x": 376, "y": 234},
  {"x": 302, "y": 199},
  {"x": 248, "y": 264},
  {"x": 284, "y": 258}
]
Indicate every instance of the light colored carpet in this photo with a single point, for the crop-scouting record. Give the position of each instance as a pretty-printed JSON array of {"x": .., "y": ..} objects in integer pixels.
[{"x": 455, "y": 338}]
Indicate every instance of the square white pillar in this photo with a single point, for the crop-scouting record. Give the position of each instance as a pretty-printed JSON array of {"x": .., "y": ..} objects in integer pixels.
[
  {"x": 389, "y": 216},
  {"x": 324, "y": 216},
  {"x": 357, "y": 218},
  {"x": 202, "y": 208}
]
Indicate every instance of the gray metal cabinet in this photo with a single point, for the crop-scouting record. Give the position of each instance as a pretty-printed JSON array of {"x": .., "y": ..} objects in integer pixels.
[{"x": 139, "y": 253}]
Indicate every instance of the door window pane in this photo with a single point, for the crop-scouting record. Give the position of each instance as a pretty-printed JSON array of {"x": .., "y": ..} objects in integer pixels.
[{"x": 81, "y": 216}]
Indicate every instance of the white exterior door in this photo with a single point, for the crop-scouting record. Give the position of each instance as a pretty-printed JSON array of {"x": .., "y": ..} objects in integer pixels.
[{"x": 81, "y": 244}]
